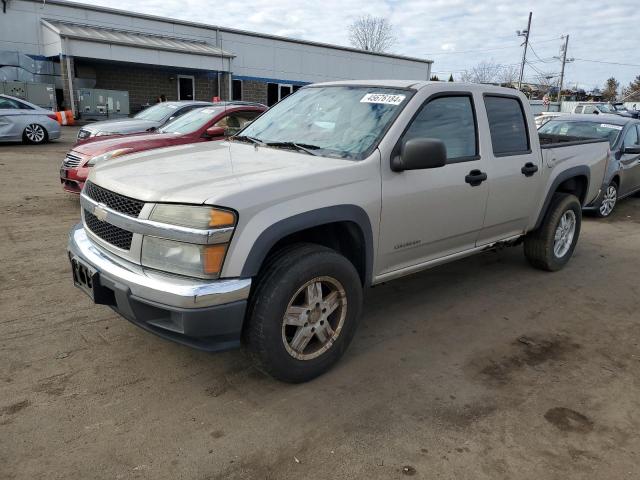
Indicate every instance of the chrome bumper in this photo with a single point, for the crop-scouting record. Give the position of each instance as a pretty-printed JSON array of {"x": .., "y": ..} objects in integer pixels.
[{"x": 155, "y": 287}]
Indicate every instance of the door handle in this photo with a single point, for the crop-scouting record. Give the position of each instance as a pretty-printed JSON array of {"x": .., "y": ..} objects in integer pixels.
[
  {"x": 475, "y": 178},
  {"x": 529, "y": 169}
]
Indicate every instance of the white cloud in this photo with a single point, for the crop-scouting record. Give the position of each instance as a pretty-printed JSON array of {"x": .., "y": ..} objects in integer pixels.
[{"x": 441, "y": 29}]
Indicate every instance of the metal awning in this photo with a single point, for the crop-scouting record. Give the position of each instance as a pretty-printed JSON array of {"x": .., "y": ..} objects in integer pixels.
[{"x": 128, "y": 38}]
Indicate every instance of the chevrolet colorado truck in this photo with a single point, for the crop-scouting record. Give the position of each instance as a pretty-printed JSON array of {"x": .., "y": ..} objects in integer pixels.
[{"x": 269, "y": 238}]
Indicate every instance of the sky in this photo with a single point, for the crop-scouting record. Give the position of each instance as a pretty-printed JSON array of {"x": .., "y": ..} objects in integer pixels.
[{"x": 455, "y": 34}]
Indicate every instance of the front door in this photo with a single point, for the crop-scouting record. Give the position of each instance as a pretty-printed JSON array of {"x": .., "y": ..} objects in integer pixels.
[
  {"x": 430, "y": 214},
  {"x": 186, "y": 87},
  {"x": 630, "y": 163}
]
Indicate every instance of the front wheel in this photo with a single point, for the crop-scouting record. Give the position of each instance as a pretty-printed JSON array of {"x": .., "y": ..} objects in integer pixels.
[
  {"x": 608, "y": 202},
  {"x": 551, "y": 246},
  {"x": 303, "y": 312},
  {"x": 34, "y": 134}
]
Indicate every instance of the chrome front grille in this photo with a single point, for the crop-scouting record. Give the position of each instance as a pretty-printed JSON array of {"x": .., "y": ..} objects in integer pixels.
[
  {"x": 111, "y": 234},
  {"x": 115, "y": 201},
  {"x": 71, "y": 161}
]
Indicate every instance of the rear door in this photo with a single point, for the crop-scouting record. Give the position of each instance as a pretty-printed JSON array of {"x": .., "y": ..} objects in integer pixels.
[
  {"x": 630, "y": 162},
  {"x": 429, "y": 214},
  {"x": 12, "y": 119},
  {"x": 513, "y": 168}
]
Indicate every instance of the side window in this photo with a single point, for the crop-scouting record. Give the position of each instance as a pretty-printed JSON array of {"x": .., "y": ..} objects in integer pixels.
[
  {"x": 589, "y": 109},
  {"x": 236, "y": 121},
  {"x": 508, "y": 127},
  {"x": 450, "y": 119},
  {"x": 631, "y": 138},
  {"x": 9, "y": 103},
  {"x": 579, "y": 109}
]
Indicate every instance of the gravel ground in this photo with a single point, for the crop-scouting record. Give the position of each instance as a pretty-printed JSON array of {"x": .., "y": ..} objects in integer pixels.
[{"x": 480, "y": 369}]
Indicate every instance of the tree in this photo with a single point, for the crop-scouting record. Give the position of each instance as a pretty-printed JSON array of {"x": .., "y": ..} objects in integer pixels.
[
  {"x": 632, "y": 92},
  {"x": 451, "y": 77},
  {"x": 374, "y": 34},
  {"x": 434, "y": 78},
  {"x": 610, "y": 89},
  {"x": 509, "y": 75},
  {"x": 484, "y": 72}
]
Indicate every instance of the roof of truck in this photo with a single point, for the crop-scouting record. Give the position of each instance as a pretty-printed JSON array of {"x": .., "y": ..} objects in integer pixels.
[{"x": 416, "y": 85}]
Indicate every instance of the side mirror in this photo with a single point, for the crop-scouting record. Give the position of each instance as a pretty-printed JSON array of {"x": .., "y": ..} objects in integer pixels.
[
  {"x": 634, "y": 150},
  {"x": 215, "y": 132},
  {"x": 419, "y": 154}
]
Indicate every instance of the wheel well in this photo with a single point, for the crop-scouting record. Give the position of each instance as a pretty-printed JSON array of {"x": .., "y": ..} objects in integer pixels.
[
  {"x": 344, "y": 237},
  {"x": 616, "y": 180},
  {"x": 576, "y": 186}
]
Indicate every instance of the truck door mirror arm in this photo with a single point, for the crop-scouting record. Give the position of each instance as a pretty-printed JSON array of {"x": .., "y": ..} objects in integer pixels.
[{"x": 419, "y": 154}]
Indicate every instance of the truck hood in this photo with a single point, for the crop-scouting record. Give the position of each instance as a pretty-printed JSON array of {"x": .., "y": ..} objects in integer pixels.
[
  {"x": 220, "y": 173},
  {"x": 123, "y": 125}
]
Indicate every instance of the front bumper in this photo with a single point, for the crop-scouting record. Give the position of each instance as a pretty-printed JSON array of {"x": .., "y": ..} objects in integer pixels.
[
  {"x": 72, "y": 179},
  {"x": 207, "y": 315}
]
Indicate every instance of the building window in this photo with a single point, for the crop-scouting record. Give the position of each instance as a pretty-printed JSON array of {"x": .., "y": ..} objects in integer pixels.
[
  {"x": 278, "y": 91},
  {"x": 237, "y": 90}
]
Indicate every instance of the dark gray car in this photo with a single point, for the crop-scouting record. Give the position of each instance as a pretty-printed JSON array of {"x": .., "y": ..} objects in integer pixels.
[
  {"x": 147, "y": 120},
  {"x": 622, "y": 177}
]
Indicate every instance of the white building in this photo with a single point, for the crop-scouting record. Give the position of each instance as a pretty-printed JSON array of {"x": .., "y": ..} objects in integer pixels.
[{"x": 148, "y": 56}]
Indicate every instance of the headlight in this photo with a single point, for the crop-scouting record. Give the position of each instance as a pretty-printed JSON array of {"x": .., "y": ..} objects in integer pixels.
[
  {"x": 193, "y": 260},
  {"x": 106, "y": 156},
  {"x": 191, "y": 216},
  {"x": 202, "y": 261}
]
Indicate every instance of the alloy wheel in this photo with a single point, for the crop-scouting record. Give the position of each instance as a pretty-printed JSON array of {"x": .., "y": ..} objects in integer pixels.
[
  {"x": 565, "y": 232},
  {"x": 34, "y": 133},
  {"x": 608, "y": 201},
  {"x": 314, "y": 318}
]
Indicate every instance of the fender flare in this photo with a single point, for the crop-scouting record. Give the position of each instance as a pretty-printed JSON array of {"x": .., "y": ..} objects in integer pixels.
[
  {"x": 578, "y": 171},
  {"x": 302, "y": 221}
]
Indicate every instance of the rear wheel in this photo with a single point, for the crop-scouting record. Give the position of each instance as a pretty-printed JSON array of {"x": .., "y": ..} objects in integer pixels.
[
  {"x": 551, "y": 246},
  {"x": 303, "y": 312},
  {"x": 608, "y": 201},
  {"x": 35, "y": 134}
]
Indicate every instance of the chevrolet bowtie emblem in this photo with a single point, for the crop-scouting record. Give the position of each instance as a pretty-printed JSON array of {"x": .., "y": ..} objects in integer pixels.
[{"x": 100, "y": 213}]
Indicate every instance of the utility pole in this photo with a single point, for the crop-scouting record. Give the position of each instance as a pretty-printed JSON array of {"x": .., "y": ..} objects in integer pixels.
[
  {"x": 564, "y": 61},
  {"x": 524, "y": 34}
]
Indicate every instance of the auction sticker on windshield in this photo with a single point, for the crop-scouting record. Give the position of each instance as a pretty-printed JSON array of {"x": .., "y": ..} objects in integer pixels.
[
  {"x": 385, "y": 98},
  {"x": 613, "y": 127}
]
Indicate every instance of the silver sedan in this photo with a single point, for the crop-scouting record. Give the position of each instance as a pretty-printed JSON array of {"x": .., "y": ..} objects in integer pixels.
[{"x": 21, "y": 121}]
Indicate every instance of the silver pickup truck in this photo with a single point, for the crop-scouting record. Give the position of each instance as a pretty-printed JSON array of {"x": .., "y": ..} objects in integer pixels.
[{"x": 270, "y": 238}]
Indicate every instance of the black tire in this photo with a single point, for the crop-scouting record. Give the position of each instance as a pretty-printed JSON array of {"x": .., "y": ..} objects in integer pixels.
[
  {"x": 35, "y": 134},
  {"x": 285, "y": 274},
  {"x": 601, "y": 211},
  {"x": 539, "y": 244}
]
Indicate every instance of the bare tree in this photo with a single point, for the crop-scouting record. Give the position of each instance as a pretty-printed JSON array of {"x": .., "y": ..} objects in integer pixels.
[
  {"x": 484, "y": 72},
  {"x": 374, "y": 34},
  {"x": 509, "y": 75}
]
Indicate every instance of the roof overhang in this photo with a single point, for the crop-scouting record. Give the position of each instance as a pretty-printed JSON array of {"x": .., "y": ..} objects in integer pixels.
[{"x": 92, "y": 41}]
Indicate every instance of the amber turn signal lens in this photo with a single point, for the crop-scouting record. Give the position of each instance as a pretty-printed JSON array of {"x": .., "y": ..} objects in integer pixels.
[
  {"x": 212, "y": 258},
  {"x": 222, "y": 218}
]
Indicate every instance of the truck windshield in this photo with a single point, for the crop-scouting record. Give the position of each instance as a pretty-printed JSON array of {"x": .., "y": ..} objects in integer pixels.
[
  {"x": 191, "y": 121},
  {"x": 582, "y": 129},
  {"x": 334, "y": 121},
  {"x": 157, "y": 112}
]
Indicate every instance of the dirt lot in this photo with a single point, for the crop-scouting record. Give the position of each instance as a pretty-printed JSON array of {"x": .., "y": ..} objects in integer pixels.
[{"x": 481, "y": 369}]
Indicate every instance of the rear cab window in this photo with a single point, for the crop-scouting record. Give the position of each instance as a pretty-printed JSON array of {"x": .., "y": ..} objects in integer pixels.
[{"x": 507, "y": 125}]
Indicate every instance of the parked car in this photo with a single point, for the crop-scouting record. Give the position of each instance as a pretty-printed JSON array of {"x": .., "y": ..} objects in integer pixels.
[
  {"x": 21, "y": 121},
  {"x": 544, "y": 117},
  {"x": 606, "y": 108},
  {"x": 199, "y": 125},
  {"x": 271, "y": 237},
  {"x": 147, "y": 120},
  {"x": 622, "y": 177}
]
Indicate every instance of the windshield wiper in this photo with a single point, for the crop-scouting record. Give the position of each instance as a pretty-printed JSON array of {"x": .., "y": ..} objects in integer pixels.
[
  {"x": 302, "y": 147},
  {"x": 251, "y": 139}
]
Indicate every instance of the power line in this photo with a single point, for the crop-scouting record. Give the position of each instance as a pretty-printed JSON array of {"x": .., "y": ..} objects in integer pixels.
[{"x": 608, "y": 63}]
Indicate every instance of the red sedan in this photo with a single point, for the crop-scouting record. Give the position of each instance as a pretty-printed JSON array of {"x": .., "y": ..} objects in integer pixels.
[{"x": 200, "y": 125}]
